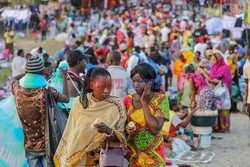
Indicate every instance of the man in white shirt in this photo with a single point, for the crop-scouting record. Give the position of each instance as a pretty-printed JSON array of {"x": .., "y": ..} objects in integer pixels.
[
  {"x": 121, "y": 82},
  {"x": 246, "y": 73},
  {"x": 134, "y": 59},
  {"x": 164, "y": 34},
  {"x": 82, "y": 32},
  {"x": 201, "y": 47},
  {"x": 18, "y": 63}
]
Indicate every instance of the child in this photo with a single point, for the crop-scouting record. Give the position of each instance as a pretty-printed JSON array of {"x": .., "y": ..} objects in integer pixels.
[
  {"x": 176, "y": 123},
  {"x": 35, "y": 35},
  {"x": 46, "y": 57}
]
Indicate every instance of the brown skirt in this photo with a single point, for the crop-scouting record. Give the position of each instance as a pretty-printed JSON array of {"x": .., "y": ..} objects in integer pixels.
[{"x": 10, "y": 47}]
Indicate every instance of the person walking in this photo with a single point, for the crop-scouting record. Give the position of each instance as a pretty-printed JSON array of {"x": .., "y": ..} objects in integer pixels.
[
  {"x": 9, "y": 40},
  {"x": 246, "y": 72},
  {"x": 43, "y": 27},
  {"x": 122, "y": 84}
]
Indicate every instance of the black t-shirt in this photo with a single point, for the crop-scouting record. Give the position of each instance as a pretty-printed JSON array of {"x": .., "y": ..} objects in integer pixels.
[{"x": 200, "y": 32}]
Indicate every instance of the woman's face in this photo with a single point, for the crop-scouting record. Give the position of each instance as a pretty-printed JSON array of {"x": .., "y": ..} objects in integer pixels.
[
  {"x": 101, "y": 86},
  {"x": 139, "y": 84},
  {"x": 214, "y": 60}
]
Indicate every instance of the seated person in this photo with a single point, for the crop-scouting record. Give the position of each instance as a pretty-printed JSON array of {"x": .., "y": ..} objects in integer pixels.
[
  {"x": 170, "y": 129},
  {"x": 175, "y": 122}
]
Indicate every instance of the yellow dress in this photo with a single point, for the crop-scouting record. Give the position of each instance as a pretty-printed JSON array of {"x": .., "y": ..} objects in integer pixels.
[{"x": 147, "y": 150}]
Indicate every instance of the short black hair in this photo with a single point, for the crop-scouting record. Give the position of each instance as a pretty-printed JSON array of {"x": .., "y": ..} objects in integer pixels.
[
  {"x": 45, "y": 55},
  {"x": 105, "y": 42},
  {"x": 137, "y": 49},
  {"x": 116, "y": 56},
  {"x": 74, "y": 57},
  {"x": 40, "y": 50},
  {"x": 78, "y": 43},
  {"x": 47, "y": 64},
  {"x": 198, "y": 52},
  {"x": 172, "y": 103},
  {"x": 19, "y": 52}
]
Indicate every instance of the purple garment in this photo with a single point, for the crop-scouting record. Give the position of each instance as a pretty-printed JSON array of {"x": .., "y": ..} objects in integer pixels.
[
  {"x": 199, "y": 81},
  {"x": 221, "y": 69}
]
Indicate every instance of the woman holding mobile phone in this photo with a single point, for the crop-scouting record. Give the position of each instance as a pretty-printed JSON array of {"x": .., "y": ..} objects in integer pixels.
[{"x": 147, "y": 110}]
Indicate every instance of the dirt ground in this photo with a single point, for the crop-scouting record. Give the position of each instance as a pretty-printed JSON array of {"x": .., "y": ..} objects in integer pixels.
[
  {"x": 231, "y": 151},
  {"x": 234, "y": 149}
]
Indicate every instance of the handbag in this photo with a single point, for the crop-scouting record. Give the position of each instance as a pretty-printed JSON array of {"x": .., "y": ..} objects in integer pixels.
[
  {"x": 56, "y": 121},
  {"x": 113, "y": 157}
]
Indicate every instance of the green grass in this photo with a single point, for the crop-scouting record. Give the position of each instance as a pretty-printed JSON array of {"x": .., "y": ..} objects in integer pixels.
[
  {"x": 51, "y": 46},
  {"x": 5, "y": 73}
]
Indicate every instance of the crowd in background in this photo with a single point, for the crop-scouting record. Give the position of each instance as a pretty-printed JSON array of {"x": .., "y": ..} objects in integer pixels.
[{"x": 124, "y": 60}]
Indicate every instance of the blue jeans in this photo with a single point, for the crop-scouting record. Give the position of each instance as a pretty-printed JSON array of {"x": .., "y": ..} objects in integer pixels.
[{"x": 36, "y": 159}]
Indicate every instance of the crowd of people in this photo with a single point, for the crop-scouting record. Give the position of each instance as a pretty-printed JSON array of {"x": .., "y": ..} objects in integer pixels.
[{"x": 107, "y": 87}]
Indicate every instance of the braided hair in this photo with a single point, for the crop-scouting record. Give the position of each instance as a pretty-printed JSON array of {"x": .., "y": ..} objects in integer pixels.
[{"x": 91, "y": 74}]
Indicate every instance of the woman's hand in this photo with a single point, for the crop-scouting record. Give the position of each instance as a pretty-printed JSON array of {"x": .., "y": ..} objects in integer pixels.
[
  {"x": 64, "y": 73},
  {"x": 191, "y": 111},
  {"x": 103, "y": 128},
  {"x": 192, "y": 104},
  {"x": 199, "y": 70},
  {"x": 146, "y": 93},
  {"x": 129, "y": 130}
]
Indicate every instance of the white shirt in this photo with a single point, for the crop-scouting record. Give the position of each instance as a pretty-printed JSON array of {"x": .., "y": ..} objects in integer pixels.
[
  {"x": 164, "y": 34},
  {"x": 132, "y": 62},
  {"x": 121, "y": 82},
  {"x": 246, "y": 73},
  {"x": 17, "y": 65},
  {"x": 176, "y": 120},
  {"x": 201, "y": 47}
]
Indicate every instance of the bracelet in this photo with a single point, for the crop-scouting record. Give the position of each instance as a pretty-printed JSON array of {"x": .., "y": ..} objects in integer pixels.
[{"x": 111, "y": 134}]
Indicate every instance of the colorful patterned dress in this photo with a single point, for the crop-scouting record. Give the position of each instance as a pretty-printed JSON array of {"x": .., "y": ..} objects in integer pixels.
[{"x": 145, "y": 148}]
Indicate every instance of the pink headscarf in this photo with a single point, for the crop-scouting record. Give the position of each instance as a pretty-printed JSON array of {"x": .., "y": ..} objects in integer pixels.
[{"x": 221, "y": 69}]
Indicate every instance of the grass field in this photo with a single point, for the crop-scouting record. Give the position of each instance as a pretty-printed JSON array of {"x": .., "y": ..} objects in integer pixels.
[
  {"x": 51, "y": 46},
  {"x": 5, "y": 73}
]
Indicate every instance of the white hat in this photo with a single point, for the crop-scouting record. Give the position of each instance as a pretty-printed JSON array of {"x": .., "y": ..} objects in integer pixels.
[
  {"x": 218, "y": 51},
  {"x": 123, "y": 46}
]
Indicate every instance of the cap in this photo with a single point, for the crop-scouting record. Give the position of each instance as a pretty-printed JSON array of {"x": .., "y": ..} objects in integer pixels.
[{"x": 34, "y": 65}]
